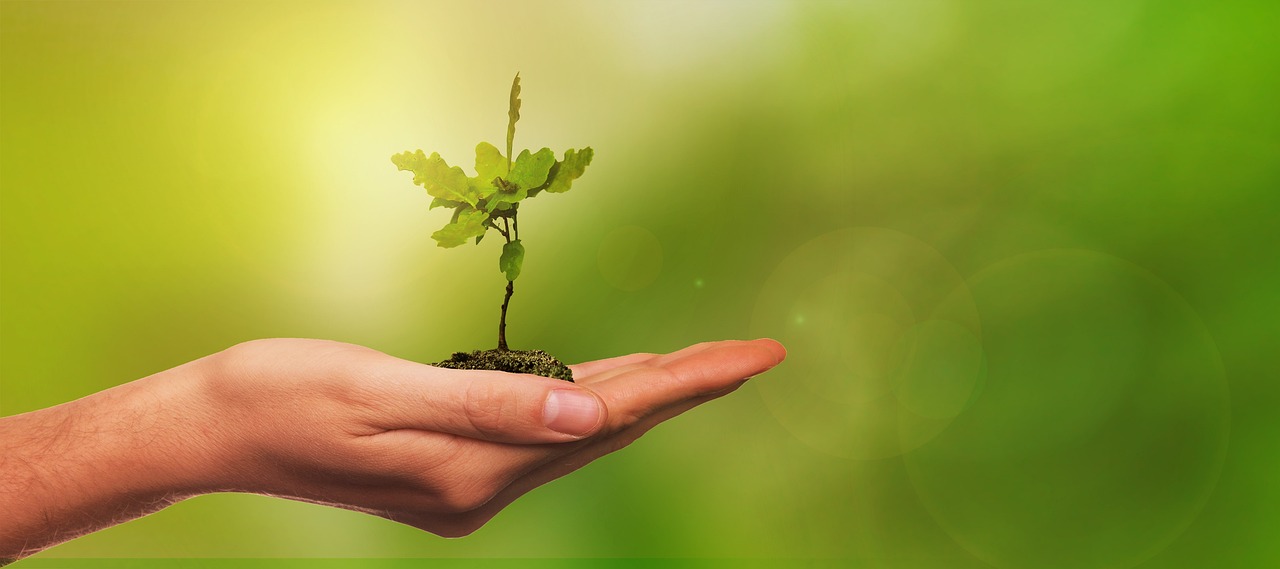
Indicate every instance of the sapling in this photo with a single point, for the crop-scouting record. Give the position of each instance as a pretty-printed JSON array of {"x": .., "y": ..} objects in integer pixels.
[{"x": 491, "y": 200}]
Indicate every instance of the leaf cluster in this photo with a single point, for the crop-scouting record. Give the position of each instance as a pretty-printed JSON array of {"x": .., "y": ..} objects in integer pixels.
[
  {"x": 491, "y": 198},
  {"x": 478, "y": 201}
]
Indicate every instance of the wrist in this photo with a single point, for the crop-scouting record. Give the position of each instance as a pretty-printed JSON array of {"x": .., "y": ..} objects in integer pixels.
[
  {"x": 175, "y": 447},
  {"x": 100, "y": 460},
  {"x": 152, "y": 439}
]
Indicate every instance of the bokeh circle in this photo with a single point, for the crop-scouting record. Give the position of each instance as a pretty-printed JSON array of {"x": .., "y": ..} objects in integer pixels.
[
  {"x": 1102, "y": 423},
  {"x": 883, "y": 342}
]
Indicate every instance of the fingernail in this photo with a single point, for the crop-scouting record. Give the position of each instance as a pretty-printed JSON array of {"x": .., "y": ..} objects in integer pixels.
[{"x": 571, "y": 412}]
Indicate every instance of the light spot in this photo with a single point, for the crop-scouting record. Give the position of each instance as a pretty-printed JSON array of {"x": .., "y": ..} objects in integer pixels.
[
  {"x": 1104, "y": 403},
  {"x": 867, "y": 314}
]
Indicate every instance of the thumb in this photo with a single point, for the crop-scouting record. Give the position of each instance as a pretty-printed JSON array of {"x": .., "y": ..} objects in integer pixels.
[{"x": 488, "y": 405}]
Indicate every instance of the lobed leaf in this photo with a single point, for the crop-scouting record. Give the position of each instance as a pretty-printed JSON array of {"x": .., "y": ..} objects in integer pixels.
[
  {"x": 440, "y": 180},
  {"x": 490, "y": 163},
  {"x": 530, "y": 170},
  {"x": 465, "y": 225},
  {"x": 441, "y": 202},
  {"x": 506, "y": 200},
  {"x": 481, "y": 189},
  {"x": 512, "y": 259},
  {"x": 569, "y": 169}
]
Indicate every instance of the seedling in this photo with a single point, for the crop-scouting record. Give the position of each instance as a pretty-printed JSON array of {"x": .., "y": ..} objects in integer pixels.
[{"x": 491, "y": 200}]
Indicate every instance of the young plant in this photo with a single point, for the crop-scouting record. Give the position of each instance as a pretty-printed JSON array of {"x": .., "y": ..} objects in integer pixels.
[{"x": 491, "y": 200}]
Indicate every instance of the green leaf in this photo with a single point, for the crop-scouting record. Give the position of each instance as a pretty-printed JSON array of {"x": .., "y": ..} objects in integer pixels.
[
  {"x": 505, "y": 200},
  {"x": 490, "y": 163},
  {"x": 441, "y": 202},
  {"x": 530, "y": 170},
  {"x": 440, "y": 180},
  {"x": 570, "y": 169},
  {"x": 487, "y": 224},
  {"x": 481, "y": 189},
  {"x": 512, "y": 259},
  {"x": 466, "y": 224},
  {"x": 513, "y": 115}
]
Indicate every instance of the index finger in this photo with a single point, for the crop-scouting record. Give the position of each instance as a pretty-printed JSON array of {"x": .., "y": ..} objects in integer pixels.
[
  {"x": 604, "y": 369},
  {"x": 641, "y": 390},
  {"x": 588, "y": 369}
]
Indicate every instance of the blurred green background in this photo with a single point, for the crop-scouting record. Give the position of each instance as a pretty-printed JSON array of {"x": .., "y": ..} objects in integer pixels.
[{"x": 1023, "y": 255}]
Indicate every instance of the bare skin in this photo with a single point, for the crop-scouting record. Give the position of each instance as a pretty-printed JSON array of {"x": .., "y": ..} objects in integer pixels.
[{"x": 340, "y": 425}]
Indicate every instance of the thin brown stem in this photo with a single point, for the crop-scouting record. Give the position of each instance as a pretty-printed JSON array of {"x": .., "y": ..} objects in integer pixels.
[
  {"x": 506, "y": 300},
  {"x": 502, "y": 324}
]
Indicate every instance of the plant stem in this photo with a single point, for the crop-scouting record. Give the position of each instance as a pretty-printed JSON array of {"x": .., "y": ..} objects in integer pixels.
[
  {"x": 502, "y": 324},
  {"x": 511, "y": 289}
]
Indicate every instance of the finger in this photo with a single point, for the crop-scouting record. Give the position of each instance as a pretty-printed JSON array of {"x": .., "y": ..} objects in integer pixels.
[
  {"x": 579, "y": 455},
  {"x": 645, "y": 412},
  {"x": 588, "y": 369},
  {"x": 626, "y": 366},
  {"x": 638, "y": 391},
  {"x": 765, "y": 343},
  {"x": 593, "y": 371},
  {"x": 493, "y": 406}
]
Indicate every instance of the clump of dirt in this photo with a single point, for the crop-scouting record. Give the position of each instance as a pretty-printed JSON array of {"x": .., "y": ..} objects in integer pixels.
[{"x": 536, "y": 362}]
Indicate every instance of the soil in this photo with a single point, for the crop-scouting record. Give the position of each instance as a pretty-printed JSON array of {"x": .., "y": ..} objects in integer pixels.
[{"x": 536, "y": 362}]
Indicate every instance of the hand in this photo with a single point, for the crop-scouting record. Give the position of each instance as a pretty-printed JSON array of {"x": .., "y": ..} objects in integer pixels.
[{"x": 338, "y": 424}]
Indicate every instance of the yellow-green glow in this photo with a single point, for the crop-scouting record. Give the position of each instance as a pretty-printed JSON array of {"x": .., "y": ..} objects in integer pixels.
[{"x": 1021, "y": 254}]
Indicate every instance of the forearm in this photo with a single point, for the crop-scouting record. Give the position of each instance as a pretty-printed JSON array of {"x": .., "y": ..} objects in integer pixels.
[{"x": 113, "y": 456}]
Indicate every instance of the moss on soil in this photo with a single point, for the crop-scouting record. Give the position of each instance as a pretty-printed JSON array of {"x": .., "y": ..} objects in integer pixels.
[{"x": 536, "y": 362}]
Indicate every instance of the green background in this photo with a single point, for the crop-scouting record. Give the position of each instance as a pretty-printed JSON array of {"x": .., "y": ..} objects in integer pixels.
[{"x": 1023, "y": 255}]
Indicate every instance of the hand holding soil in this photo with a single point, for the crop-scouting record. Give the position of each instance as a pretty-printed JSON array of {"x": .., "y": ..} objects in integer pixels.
[{"x": 342, "y": 425}]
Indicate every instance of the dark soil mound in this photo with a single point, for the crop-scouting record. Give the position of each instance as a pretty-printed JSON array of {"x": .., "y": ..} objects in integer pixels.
[{"x": 536, "y": 362}]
